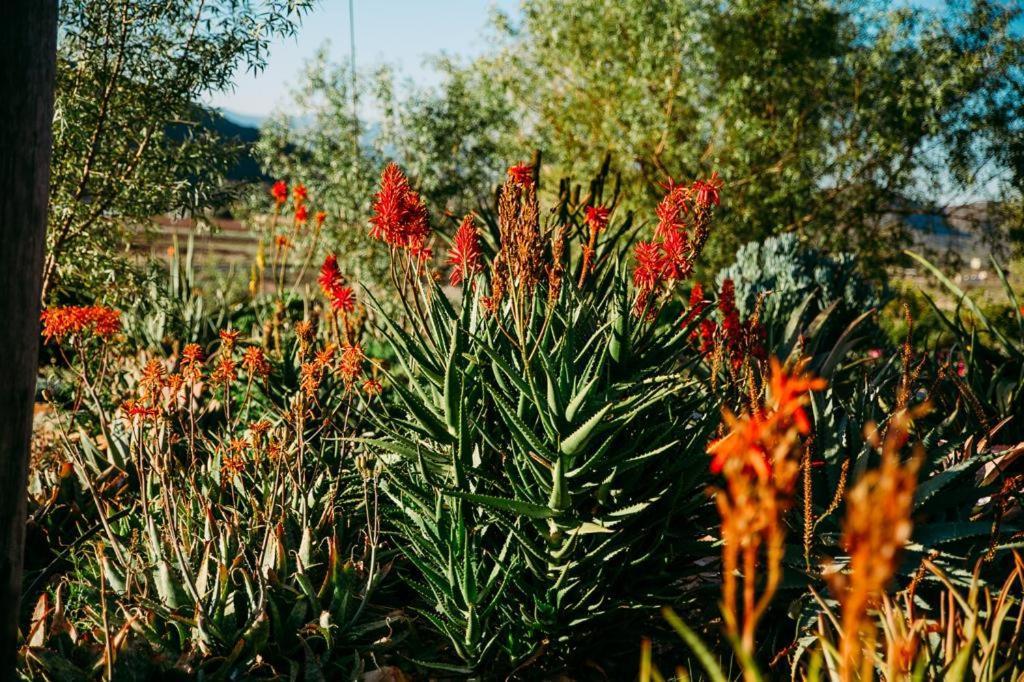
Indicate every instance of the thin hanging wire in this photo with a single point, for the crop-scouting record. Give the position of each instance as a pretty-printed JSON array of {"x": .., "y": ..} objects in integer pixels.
[{"x": 352, "y": 61}]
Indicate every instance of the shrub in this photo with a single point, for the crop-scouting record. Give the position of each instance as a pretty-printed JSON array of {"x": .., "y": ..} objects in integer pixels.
[
  {"x": 237, "y": 531},
  {"x": 543, "y": 480},
  {"x": 789, "y": 277}
]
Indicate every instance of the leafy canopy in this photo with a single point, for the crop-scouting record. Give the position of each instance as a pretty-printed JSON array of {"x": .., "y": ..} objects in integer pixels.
[
  {"x": 127, "y": 142},
  {"x": 825, "y": 118}
]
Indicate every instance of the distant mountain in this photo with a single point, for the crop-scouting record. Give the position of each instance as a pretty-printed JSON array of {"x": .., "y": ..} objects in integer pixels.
[
  {"x": 245, "y": 129},
  {"x": 244, "y": 120},
  {"x": 246, "y": 168},
  {"x": 969, "y": 231}
]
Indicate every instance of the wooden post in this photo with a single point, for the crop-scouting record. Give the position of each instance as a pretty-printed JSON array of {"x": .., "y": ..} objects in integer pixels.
[{"x": 28, "y": 53}]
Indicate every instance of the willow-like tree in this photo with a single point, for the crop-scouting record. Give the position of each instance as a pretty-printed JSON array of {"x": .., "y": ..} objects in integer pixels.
[
  {"x": 824, "y": 117},
  {"x": 128, "y": 139}
]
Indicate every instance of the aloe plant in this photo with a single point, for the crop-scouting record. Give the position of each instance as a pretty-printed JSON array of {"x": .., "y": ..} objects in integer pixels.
[
  {"x": 235, "y": 531},
  {"x": 545, "y": 458}
]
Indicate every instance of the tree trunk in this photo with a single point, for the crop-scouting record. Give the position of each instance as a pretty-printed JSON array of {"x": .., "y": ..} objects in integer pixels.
[{"x": 28, "y": 36}]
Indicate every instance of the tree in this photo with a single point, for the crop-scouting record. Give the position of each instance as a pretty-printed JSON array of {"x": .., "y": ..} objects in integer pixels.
[
  {"x": 127, "y": 140},
  {"x": 449, "y": 140},
  {"x": 28, "y": 33},
  {"x": 825, "y": 118}
]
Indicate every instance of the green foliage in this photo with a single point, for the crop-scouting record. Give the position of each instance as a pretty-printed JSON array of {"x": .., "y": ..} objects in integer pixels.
[
  {"x": 337, "y": 156},
  {"x": 797, "y": 279},
  {"x": 127, "y": 144},
  {"x": 215, "y": 522},
  {"x": 979, "y": 637},
  {"x": 567, "y": 477},
  {"x": 448, "y": 141},
  {"x": 546, "y": 465},
  {"x": 528, "y": 491},
  {"x": 821, "y": 116},
  {"x": 992, "y": 354},
  {"x": 176, "y": 309}
]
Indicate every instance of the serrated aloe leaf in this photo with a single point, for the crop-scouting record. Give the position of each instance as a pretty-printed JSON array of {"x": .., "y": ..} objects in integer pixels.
[
  {"x": 939, "y": 533},
  {"x": 559, "y": 498},
  {"x": 415, "y": 496},
  {"x": 554, "y": 396},
  {"x": 514, "y": 376},
  {"x": 594, "y": 458},
  {"x": 576, "y": 440},
  {"x": 527, "y": 439},
  {"x": 167, "y": 587},
  {"x": 630, "y": 510},
  {"x": 468, "y": 574},
  {"x": 635, "y": 460},
  {"x": 520, "y": 507},
  {"x": 426, "y": 592},
  {"x": 500, "y": 568},
  {"x": 444, "y": 667},
  {"x": 307, "y": 589},
  {"x": 588, "y": 350},
  {"x": 441, "y": 302},
  {"x": 434, "y": 577},
  {"x": 402, "y": 447},
  {"x": 424, "y": 415},
  {"x": 545, "y": 416},
  {"x": 579, "y": 399},
  {"x": 402, "y": 342},
  {"x": 931, "y": 486},
  {"x": 452, "y": 376},
  {"x": 499, "y": 593},
  {"x": 589, "y": 528}
]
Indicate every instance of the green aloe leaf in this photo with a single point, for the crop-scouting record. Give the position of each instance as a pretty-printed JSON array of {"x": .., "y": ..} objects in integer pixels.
[
  {"x": 571, "y": 445},
  {"x": 579, "y": 399},
  {"x": 698, "y": 647},
  {"x": 424, "y": 415},
  {"x": 527, "y": 439},
  {"x": 520, "y": 507}
]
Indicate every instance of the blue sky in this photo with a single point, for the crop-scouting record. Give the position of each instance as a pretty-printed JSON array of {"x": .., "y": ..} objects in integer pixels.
[{"x": 398, "y": 32}]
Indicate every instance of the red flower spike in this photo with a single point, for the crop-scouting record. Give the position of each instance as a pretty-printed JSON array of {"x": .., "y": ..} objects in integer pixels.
[
  {"x": 695, "y": 308},
  {"x": 255, "y": 362},
  {"x": 64, "y": 321},
  {"x": 671, "y": 211},
  {"x": 521, "y": 174},
  {"x": 280, "y": 192},
  {"x": 351, "y": 363},
  {"x": 708, "y": 332},
  {"x": 676, "y": 264},
  {"x": 332, "y": 283},
  {"x": 464, "y": 255},
  {"x": 649, "y": 267},
  {"x": 399, "y": 216},
  {"x": 596, "y": 217},
  {"x": 344, "y": 299},
  {"x": 228, "y": 338},
  {"x": 706, "y": 192}
]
